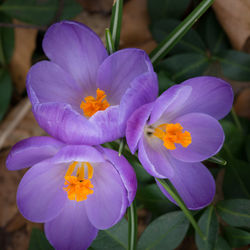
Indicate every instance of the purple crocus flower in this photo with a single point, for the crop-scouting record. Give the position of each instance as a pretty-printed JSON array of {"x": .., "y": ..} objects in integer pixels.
[
  {"x": 74, "y": 189},
  {"x": 82, "y": 95},
  {"x": 178, "y": 131}
]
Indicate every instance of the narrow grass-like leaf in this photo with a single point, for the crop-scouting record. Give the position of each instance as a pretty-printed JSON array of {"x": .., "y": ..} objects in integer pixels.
[
  {"x": 109, "y": 42},
  {"x": 116, "y": 22},
  {"x": 235, "y": 212},
  {"x": 172, "y": 191},
  {"x": 132, "y": 226},
  {"x": 166, "y": 45},
  {"x": 218, "y": 160}
]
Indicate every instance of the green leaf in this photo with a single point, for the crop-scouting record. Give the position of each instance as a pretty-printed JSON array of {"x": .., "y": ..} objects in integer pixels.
[
  {"x": 235, "y": 212},
  {"x": 109, "y": 42},
  {"x": 248, "y": 147},
  {"x": 218, "y": 160},
  {"x": 6, "y": 40},
  {"x": 5, "y": 92},
  {"x": 234, "y": 139},
  {"x": 31, "y": 11},
  {"x": 113, "y": 238},
  {"x": 236, "y": 237},
  {"x": 154, "y": 200},
  {"x": 164, "y": 81},
  {"x": 116, "y": 22},
  {"x": 209, "y": 226},
  {"x": 161, "y": 9},
  {"x": 132, "y": 226},
  {"x": 191, "y": 65},
  {"x": 236, "y": 180},
  {"x": 166, "y": 45},
  {"x": 221, "y": 244},
  {"x": 191, "y": 41},
  {"x": 38, "y": 241},
  {"x": 235, "y": 64},
  {"x": 165, "y": 232},
  {"x": 70, "y": 9},
  {"x": 213, "y": 34}
]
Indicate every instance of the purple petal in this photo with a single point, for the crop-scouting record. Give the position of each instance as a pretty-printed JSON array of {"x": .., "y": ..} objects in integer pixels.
[
  {"x": 210, "y": 95},
  {"x": 40, "y": 195},
  {"x": 71, "y": 229},
  {"x": 207, "y": 137},
  {"x": 125, "y": 171},
  {"x": 144, "y": 89},
  {"x": 154, "y": 158},
  {"x": 107, "y": 122},
  {"x": 47, "y": 82},
  {"x": 78, "y": 50},
  {"x": 170, "y": 103},
  {"x": 108, "y": 203},
  {"x": 80, "y": 153},
  {"x": 135, "y": 126},
  {"x": 65, "y": 124},
  {"x": 118, "y": 71},
  {"x": 30, "y": 151},
  {"x": 194, "y": 183}
]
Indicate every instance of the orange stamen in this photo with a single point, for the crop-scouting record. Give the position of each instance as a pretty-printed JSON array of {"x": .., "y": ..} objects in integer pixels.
[
  {"x": 91, "y": 105},
  {"x": 77, "y": 187},
  {"x": 171, "y": 133}
]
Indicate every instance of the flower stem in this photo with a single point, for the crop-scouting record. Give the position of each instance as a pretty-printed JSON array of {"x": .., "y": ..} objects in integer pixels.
[
  {"x": 182, "y": 205},
  {"x": 236, "y": 120},
  {"x": 132, "y": 226},
  {"x": 166, "y": 45},
  {"x": 109, "y": 42}
]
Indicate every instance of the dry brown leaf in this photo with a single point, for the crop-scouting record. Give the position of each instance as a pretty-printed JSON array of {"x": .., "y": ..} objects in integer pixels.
[
  {"x": 235, "y": 19},
  {"x": 96, "y": 22},
  {"x": 135, "y": 31},
  {"x": 97, "y": 5},
  {"x": 242, "y": 103},
  {"x": 25, "y": 43}
]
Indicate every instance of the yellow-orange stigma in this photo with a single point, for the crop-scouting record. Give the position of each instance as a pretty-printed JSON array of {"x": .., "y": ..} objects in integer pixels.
[
  {"x": 78, "y": 187},
  {"x": 171, "y": 133},
  {"x": 91, "y": 105}
]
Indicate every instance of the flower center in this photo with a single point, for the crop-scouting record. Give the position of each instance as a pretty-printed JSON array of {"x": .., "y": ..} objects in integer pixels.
[
  {"x": 91, "y": 105},
  {"x": 78, "y": 187},
  {"x": 171, "y": 133}
]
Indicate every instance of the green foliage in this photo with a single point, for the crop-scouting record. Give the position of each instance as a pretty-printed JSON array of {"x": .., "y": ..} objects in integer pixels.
[
  {"x": 5, "y": 92},
  {"x": 113, "y": 238},
  {"x": 153, "y": 199},
  {"x": 236, "y": 237},
  {"x": 38, "y": 241},
  {"x": 235, "y": 212},
  {"x": 165, "y": 232},
  {"x": 221, "y": 244},
  {"x": 39, "y": 12},
  {"x": 159, "y": 9},
  {"x": 209, "y": 226},
  {"x": 6, "y": 41}
]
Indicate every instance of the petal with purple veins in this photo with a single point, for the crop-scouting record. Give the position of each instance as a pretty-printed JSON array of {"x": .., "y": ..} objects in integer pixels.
[
  {"x": 30, "y": 151},
  {"x": 118, "y": 71},
  {"x": 207, "y": 137},
  {"x": 194, "y": 183},
  {"x": 71, "y": 229},
  {"x": 106, "y": 206},
  {"x": 78, "y": 50},
  {"x": 40, "y": 195}
]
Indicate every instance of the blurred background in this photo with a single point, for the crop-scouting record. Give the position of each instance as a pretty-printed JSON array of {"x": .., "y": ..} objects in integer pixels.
[{"x": 218, "y": 44}]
